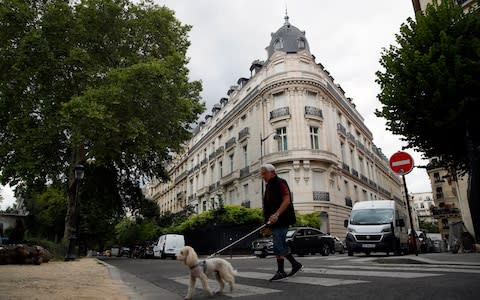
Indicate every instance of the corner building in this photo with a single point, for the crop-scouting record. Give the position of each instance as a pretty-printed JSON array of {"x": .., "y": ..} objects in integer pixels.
[{"x": 292, "y": 114}]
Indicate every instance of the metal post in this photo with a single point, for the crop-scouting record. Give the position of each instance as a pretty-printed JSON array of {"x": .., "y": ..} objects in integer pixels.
[
  {"x": 72, "y": 240},
  {"x": 410, "y": 216}
]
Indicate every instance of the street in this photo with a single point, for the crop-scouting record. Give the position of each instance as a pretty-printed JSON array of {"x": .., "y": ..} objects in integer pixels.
[{"x": 332, "y": 277}]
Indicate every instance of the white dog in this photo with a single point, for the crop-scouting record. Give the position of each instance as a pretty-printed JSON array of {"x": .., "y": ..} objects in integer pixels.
[{"x": 200, "y": 269}]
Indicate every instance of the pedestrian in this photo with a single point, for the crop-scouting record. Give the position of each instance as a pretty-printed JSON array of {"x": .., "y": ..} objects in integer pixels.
[{"x": 279, "y": 213}]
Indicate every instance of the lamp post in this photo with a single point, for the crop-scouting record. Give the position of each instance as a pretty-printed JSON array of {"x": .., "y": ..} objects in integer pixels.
[
  {"x": 79, "y": 172},
  {"x": 261, "y": 155}
]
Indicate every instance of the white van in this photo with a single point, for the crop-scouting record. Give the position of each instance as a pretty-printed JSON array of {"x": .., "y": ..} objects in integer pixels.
[
  {"x": 377, "y": 226},
  {"x": 168, "y": 245}
]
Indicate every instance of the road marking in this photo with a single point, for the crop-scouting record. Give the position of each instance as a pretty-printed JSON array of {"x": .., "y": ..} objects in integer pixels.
[
  {"x": 302, "y": 279},
  {"x": 240, "y": 290},
  {"x": 390, "y": 274},
  {"x": 412, "y": 268}
]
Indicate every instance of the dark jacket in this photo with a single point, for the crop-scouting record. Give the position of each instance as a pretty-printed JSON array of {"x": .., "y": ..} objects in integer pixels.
[{"x": 272, "y": 201}]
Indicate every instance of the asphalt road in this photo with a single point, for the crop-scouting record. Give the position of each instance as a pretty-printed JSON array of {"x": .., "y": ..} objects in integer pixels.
[{"x": 333, "y": 277}]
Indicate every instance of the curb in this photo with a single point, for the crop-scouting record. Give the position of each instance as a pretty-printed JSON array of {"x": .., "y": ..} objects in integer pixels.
[{"x": 137, "y": 288}]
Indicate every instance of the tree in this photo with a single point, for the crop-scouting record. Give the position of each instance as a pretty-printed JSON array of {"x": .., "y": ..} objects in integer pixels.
[
  {"x": 103, "y": 81},
  {"x": 429, "y": 90}
]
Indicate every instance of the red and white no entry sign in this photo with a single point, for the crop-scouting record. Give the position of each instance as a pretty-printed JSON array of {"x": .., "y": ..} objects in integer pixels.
[{"x": 401, "y": 163}]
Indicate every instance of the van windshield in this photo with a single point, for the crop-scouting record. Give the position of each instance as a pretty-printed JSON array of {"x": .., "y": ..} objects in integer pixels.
[{"x": 371, "y": 216}]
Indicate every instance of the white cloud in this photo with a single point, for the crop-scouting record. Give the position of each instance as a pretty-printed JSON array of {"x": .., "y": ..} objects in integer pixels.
[{"x": 345, "y": 36}]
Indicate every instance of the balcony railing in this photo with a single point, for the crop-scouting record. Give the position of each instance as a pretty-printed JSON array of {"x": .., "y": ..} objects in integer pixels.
[
  {"x": 364, "y": 178},
  {"x": 219, "y": 151},
  {"x": 244, "y": 172},
  {"x": 230, "y": 143},
  {"x": 280, "y": 112},
  {"x": 351, "y": 137},
  {"x": 212, "y": 155},
  {"x": 313, "y": 111},
  {"x": 346, "y": 167},
  {"x": 354, "y": 172},
  {"x": 180, "y": 195},
  {"x": 321, "y": 196},
  {"x": 244, "y": 133},
  {"x": 341, "y": 129},
  {"x": 445, "y": 212},
  {"x": 348, "y": 201}
]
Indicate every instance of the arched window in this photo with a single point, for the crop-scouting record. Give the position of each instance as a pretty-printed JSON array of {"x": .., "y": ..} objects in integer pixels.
[
  {"x": 278, "y": 44},
  {"x": 301, "y": 44}
]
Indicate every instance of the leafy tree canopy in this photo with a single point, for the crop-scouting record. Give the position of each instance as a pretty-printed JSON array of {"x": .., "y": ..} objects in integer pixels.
[
  {"x": 430, "y": 83},
  {"x": 98, "y": 80}
]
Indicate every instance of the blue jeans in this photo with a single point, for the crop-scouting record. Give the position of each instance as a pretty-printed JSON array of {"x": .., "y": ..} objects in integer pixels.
[{"x": 280, "y": 246}]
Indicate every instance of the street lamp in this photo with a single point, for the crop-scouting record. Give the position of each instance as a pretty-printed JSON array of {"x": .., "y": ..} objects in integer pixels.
[
  {"x": 275, "y": 137},
  {"x": 79, "y": 172}
]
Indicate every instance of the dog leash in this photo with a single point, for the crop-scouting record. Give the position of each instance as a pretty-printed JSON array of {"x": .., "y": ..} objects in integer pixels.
[{"x": 239, "y": 240}]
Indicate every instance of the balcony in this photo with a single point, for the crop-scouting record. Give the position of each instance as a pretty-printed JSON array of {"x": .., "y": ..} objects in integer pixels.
[
  {"x": 212, "y": 155},
  {"x": 204, "y": 162},
  {"x": 243, "y": 134},
  {"x": 313, "y": 111},
  {"x": 230, "y": 143},
  {"x": 364, "y": 178},
  {"x": 341, "y": 129},
  {"x": 354, "y": 172},
  {"x": 191, "y": 198},
  {"x": 321, "y": 196},
  {"x": 244, "y": 172},
  {"x": 181, "y": 177},
  {"x": 219, "y": 151},
  {"x": 346, "y": 167},
  {"x": 280, "y": 112},
  {"x": 180, "y": 195},
  {"x": 445, "y": 212},
  {"x": 351, "y": 138}
]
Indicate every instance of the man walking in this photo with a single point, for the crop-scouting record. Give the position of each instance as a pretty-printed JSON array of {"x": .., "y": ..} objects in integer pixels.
[{"x": 279, "y": 213}]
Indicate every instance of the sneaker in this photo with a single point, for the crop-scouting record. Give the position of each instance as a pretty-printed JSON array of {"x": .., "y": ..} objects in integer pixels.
[
  {"x": 297, "y": 267},
  {"x": 278, "y": 276}
]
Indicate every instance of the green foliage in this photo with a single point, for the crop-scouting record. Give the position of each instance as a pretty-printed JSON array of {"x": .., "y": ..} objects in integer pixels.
[
  {"x": 429, "y": 227},
  {"x": 129, "y": 232},
  {"x": 311, "y": 220},
  {"x": 430, "y": 83},
  {"x": 228, "y": 214}
]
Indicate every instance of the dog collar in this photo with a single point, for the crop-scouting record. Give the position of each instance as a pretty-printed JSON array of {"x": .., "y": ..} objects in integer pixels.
[{"x": 202, "y": 264}]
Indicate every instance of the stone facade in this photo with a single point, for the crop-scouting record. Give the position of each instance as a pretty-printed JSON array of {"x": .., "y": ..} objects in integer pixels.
[{"x": 292, "y": 114}]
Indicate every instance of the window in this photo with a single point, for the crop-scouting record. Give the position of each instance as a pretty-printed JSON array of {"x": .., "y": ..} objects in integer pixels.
[
  {"x": 245, "y": 192},
  {"x": 231, "y": 162},
  {"x": 342, "y": 151},
  {"x": 282, "y": 139},
  {"x": 314, "y": 137},
  {"x": 301, "y": 44},
  {"x": 278, "y": 44},
  {"x": 279, "y": 100},
  {"x": 220, "y": 168},
  {"x": 245, "y": 156}
]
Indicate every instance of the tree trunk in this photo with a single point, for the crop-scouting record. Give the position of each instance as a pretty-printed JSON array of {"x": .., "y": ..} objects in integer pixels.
[
  {"x": 474, "y": 185},
  {"x": 474, "y": 197}
]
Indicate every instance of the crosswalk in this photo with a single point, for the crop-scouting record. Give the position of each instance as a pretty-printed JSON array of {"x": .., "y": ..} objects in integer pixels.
[{"x": 333, "y": 275}]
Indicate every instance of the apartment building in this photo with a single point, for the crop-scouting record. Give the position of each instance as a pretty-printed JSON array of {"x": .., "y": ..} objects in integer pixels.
[
  {"x": 422, "y": 204},
  {"x": 291, "y": 113}
]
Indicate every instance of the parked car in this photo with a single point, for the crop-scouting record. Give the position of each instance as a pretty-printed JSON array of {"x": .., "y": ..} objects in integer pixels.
[
  {"x": 168, "y": 245},
  {"x": 339, "y": 245},
  {"x": 304, "y": 240},
  {"x": 300, "y": 240},
  {"x": 262, "y": 247}
]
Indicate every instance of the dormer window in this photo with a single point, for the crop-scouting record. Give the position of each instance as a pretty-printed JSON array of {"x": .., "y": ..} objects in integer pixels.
[
  {"x": 301, "y": 44},
  {"x": 278, "y": 44}
]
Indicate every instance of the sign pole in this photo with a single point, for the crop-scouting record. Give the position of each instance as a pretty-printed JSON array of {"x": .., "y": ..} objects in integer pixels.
[
  {"x": 402, "y": 163},
  {"x": 410, "y": 216}
]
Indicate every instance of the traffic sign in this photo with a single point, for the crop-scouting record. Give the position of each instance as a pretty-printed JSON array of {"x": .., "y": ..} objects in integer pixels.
[{"x": 401, "y": 163}]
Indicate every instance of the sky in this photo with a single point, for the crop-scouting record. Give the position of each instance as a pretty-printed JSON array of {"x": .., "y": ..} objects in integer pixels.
[{"x": 346, "y": 36}]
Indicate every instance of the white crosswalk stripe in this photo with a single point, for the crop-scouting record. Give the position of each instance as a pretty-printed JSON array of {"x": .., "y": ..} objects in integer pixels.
[
  {"x": 423, "y": 268},
  {"x": 302, "y": 279},
  {"x": 241, "y": 290}
]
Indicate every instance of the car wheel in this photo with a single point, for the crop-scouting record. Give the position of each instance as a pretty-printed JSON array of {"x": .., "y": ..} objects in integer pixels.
[
  {"x": 325, "y": 250},
  {"x": 350, "y": 253}
]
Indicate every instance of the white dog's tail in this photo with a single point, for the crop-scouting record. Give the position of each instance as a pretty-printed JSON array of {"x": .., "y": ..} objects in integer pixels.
[{"x": 232, "y": 270}]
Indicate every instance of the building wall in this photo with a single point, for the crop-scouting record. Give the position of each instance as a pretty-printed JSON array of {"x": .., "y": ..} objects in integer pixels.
[{"x": 288, "y": 96}]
